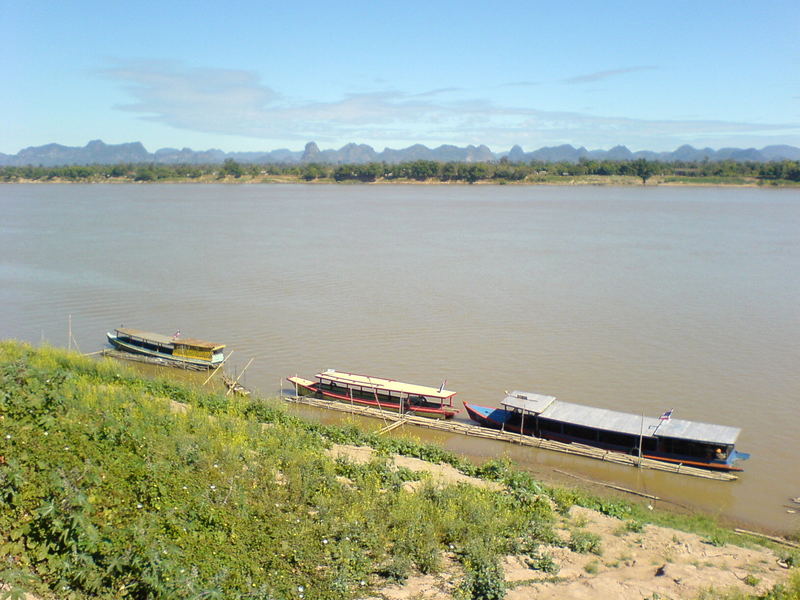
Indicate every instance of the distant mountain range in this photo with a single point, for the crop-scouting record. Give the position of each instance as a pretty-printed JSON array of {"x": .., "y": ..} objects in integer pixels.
[{"x": 98, "y": 152}]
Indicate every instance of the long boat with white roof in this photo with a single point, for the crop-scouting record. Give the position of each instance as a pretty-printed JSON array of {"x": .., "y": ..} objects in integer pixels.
[
  {"x": 658, "y": 438},
  {"x": 377, "y": 392}
]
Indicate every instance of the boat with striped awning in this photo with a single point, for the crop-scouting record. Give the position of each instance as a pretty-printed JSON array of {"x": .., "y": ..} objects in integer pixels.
[{"x": 377, "y": 392}]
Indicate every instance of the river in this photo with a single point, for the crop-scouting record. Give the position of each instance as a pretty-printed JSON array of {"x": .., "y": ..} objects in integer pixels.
[{"x": 638, "y": 299}]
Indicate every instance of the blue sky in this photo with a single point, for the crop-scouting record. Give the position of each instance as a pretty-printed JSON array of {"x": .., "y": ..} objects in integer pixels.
[{"x": 267, "y": 75}]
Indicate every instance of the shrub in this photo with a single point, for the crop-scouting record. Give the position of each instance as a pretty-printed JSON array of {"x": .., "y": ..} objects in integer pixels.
[
  {"x": 592, "y": 567},
  {"x": 791, "y": 558},
  {"x": 751, "y": 580},
  {"x": 543, "y": 562},
  {"x": 634, "y": 526},
  {"x": 484, "y": 578},
  {"x": 715, "y": 539},
  {"x": 584, "y": 542}
]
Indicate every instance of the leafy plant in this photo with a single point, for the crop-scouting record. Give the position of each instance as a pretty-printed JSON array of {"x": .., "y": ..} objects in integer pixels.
[
  {"x": 543, "y": 562},
  {"x": 484, "y": 578},
  {"x": 634, "y": 526},
  {"x": 584, "y": 542},
  {"x": 715, "y": 539},
  {"x": 592, "y": 567},
  {"x": 751, "y": 580}
]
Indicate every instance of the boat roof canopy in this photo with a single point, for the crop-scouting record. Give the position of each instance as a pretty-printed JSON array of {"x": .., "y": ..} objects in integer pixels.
[
  {"x": 528, "y": 401},
  {"x": 159, "y": 338},
  {"x": 365, "y": 381},
  {"x": 701, "y": 432},
  {"x": 548, "y": 407}
]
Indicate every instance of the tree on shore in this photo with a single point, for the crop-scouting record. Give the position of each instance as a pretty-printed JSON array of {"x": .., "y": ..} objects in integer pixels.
[
  {"x": 643, "y": 168},
  {"x": 232, "y": 168}
]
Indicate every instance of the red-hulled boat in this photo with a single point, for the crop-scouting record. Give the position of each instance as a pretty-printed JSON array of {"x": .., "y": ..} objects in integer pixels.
[{"x": 384, "y": 394}]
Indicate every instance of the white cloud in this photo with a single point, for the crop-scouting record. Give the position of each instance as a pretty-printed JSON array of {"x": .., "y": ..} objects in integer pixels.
[
  {"x": 600, "y": 75},
  {"x": 235, "y": 102}
]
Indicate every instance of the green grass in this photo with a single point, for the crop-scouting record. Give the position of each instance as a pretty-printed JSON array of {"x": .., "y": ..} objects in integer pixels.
[{"x": 107, "y": 493}]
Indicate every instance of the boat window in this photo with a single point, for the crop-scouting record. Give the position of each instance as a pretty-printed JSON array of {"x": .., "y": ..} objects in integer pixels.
[
  {"x": 689, "y": 448},
  {"x": 578, "y": 431},
  {"x": 622, "y": 440}
]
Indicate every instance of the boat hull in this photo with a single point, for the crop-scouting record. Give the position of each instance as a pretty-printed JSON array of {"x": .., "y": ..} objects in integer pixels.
[
  {"x": 304, "y": 387},
  {"x": 169, "y": 358},
  {"x": 498, "y": 418}
]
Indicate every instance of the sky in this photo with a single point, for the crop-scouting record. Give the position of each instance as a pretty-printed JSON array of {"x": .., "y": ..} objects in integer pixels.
[{"x": 257, "y": 76}]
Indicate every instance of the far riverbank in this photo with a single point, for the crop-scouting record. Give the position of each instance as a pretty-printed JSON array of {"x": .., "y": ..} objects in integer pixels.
[
  {"x": 566, "y": 181},
  {"x": 583, "y": 172}
]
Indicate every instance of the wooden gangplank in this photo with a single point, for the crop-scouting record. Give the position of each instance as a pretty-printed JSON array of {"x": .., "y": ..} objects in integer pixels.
[{"x": 505, "y": 436}]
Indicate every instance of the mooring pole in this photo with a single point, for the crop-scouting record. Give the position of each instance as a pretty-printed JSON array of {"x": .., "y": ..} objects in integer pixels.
[{"x": 641, "y": 433}]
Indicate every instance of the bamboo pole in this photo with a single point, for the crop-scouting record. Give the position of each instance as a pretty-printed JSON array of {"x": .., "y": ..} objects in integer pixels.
[
  {"x": 388, "y": 428},
  {"x": 375, "y": 392},
  {"x": 218, "y": 368},
  {"x": 608, "y": 485},
  {"x": 641, "y": 433},
  {"x": 778, "y": 540}
]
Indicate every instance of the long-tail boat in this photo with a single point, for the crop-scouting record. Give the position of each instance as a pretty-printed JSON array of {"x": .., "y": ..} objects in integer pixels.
[
  {"x": 174, "y": 349},
  {"x": 377, "y": 392},
  {"x": 664, "y": 439}
]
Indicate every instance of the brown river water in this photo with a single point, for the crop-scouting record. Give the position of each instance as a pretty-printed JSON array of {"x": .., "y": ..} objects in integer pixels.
[{"x": 636, "y": 299}]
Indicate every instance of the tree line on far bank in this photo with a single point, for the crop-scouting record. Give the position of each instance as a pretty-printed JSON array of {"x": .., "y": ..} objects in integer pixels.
[{"x": 419, "y": 170}]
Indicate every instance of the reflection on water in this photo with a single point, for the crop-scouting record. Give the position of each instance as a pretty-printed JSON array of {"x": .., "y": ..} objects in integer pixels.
[{"x": 636, "y": 299}]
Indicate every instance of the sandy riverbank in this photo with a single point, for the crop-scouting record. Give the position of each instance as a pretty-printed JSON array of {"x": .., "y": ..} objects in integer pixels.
[{"x": 651, "y": 562}]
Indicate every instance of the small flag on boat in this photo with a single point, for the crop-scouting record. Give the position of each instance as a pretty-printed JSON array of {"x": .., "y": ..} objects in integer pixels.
[
  {"x": 177, "y": 334},
  {"x": 666, "y": 416},
  {"x": 441, "y": 387}
]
